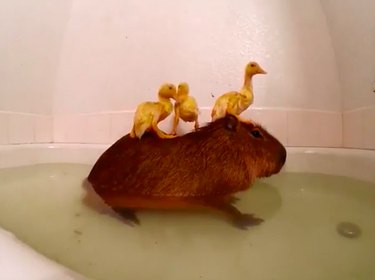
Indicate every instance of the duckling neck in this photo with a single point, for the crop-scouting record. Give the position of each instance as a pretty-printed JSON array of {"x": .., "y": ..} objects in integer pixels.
[
  {"x": 182, "y": 98},
  {"x": 165, "y": 102},
  {"x": 247, "y": 89},
  {"x": 163, "y": 99},
  {"x": 248, "y": 81}
]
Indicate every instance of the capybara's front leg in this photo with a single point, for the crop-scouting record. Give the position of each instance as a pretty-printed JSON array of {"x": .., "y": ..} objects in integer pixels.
[
  {"x": 240, "y": 220},
  {"x": 128, "y": 214}
]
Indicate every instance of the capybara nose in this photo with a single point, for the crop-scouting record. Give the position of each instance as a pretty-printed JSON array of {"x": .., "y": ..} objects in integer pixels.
[{"x": 282, "y": 156}]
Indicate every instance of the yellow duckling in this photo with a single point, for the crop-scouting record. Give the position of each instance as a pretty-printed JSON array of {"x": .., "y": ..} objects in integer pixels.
[
  {"x": 149, "y": 114},
  {"x": 185, "y": 107},
  {"x": 236, "y": 102}
]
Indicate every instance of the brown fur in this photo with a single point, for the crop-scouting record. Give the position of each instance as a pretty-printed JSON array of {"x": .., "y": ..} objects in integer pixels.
[{"x": 199, "y": 169}]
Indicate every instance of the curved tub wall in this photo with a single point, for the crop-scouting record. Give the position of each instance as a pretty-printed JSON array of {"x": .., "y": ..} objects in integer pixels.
[
  {"x": 19, "y": 262},
  {"x": 190, "y": 44},
  {"x": 95, "y": 56}
]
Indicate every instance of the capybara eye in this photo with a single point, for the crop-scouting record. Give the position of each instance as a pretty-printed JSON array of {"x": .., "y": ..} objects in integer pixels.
[{"x": 256, "y": 134}]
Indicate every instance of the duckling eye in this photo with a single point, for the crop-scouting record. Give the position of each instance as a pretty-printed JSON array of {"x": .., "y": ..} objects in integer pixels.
[
  {"x": 256, "y": 134},
  {"x": 252, "y": 65}
]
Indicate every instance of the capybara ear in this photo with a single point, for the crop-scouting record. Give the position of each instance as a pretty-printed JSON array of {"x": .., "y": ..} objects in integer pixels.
[{"x": 231, "y": 122}]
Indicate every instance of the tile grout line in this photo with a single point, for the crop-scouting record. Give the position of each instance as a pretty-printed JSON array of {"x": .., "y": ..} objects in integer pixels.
[{"x": 127, "y": 113}]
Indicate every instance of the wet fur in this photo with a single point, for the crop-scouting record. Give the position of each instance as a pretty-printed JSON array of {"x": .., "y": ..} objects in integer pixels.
[{"x": 197, "y": 170}]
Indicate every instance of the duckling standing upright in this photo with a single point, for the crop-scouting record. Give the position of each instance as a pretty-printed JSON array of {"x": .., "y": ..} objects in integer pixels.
[
  {"x": 185, "y": 107},
  {"x": 236, "y": 102},
  {"x": 149, "y": 114}
]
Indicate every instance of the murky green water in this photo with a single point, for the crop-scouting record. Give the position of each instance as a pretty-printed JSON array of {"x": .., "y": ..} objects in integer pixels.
[{"x": 42, "y": 205}]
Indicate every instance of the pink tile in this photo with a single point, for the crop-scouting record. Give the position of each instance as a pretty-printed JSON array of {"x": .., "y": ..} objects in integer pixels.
[
  {"x": 303, "y": 128},
  {"x": 167, "y": 124},
  {"x": 4, "y": 127},
  {"x": 121, "y": 124},
  {"x": 330, "y": 129},
  {"x": 98, "y": 128},
  {"x": 273, "y": 120},
  {"x": 185, "y": 127},
  {"x": 314, "y": 128},
  {"x": 255, "y": 114},
  {"x": 70, "y": 129},
  {"x": 353, "y": 129},
  {"x": 21, "y": 128},
  {"x": 369, "y": 128},
  {"x": 58, "y": 134},
  {"x": 43, "y": 129},
  {"x": 204, "y": 117}
]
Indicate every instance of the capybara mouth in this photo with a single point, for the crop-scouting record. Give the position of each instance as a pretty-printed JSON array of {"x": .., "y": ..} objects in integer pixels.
[
  {"x": 277, "y": 166},
  {"x": 282, "y": 158},
  {"x": 281, "y": 162}
]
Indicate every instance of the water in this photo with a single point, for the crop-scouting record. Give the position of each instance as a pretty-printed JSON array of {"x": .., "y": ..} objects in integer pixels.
[{"x": 42, "y": 205}]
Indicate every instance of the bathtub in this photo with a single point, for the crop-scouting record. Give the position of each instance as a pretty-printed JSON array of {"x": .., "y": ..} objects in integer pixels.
[{"x": 18, "y": 259}]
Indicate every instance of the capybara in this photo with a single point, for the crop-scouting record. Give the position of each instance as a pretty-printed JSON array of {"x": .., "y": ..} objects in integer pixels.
[{"x": 198, "y": 170}]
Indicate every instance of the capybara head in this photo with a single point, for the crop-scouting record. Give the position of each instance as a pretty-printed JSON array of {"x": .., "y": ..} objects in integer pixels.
[{"x": 263, "y": 153}]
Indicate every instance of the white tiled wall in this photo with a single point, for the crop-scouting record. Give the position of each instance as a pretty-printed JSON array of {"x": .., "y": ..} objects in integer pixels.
[
  {"x": 359, "y": 128},
  {"x": 352, "y": 28},
  {"x": 115, "y": 53},
  {"x": 77, "y": 69},
  {"x": 292, "y": 127},
  {"x": 31, "y": 34},
  {"x": 17, "y": 128}
]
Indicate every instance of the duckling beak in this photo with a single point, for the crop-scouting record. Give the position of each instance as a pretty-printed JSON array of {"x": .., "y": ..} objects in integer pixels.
[{"x": 261, "y": 71}]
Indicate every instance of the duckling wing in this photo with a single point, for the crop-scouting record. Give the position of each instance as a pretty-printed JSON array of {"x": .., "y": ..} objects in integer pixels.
[
  {"x": 189, "y": 110},
  {"x": 144, "y": 116},
  {"x": 190, "y": 105},
  {"x": 221, "y": 105},
  {"x": 234, "y": 104}
]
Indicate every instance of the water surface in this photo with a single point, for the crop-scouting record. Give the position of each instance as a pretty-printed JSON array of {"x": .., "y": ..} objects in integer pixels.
[{"x": 42, "y": 205}]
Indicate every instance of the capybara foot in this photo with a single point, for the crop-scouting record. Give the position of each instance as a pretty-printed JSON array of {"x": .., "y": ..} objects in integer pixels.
[
  {"x": 244, "y": 221},
  {"x": 128, "y": 214}
]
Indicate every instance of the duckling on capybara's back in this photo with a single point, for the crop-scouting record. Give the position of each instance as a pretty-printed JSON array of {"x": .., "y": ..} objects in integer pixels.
[{"x": 199, "y": 170}]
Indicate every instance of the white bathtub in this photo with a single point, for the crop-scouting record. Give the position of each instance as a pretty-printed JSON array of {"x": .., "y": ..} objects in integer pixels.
[{"x": 18, "y": 260}]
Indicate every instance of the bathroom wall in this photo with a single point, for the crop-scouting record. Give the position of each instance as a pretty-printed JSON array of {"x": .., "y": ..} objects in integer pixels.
[
  {"x": 31, "y": 34},
  {"x": 84, "y": 65},
  {"x": 352, "y": 27},
  {"x": 115, "y": 54}
]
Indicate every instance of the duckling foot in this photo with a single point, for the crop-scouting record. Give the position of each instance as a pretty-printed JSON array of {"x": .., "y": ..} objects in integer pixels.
[
  {"x": 173, "y": 133},
  {"x": 128, "y": 215},
  {"x": 245, "y": 120},
  {"x": 164, "y": 135}
]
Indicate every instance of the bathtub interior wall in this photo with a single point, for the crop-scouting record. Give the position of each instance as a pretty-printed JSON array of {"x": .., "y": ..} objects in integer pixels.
[
  {"x": 74, "y": 72},
  {"x": 352, "y": 28},
  {"x": 30, "y": 44}
]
